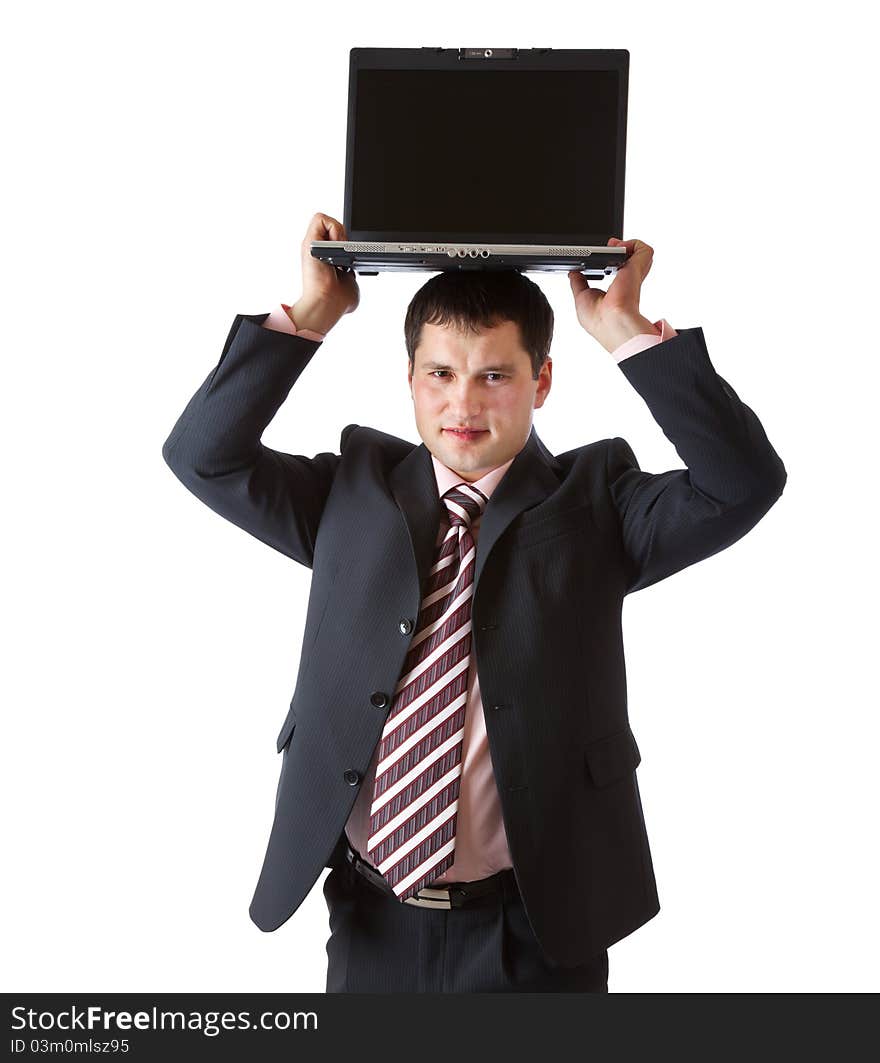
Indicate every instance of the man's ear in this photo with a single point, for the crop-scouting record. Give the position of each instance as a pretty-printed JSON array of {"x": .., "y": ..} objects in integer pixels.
[{"x": 545, "y": 379}]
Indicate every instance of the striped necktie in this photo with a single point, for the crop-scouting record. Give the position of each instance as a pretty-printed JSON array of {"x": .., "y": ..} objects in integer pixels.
[{"x": 415, "y": 795}]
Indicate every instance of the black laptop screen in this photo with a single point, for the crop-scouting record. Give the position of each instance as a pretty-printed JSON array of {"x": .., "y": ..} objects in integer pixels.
[{"x": 503, "y": 153}]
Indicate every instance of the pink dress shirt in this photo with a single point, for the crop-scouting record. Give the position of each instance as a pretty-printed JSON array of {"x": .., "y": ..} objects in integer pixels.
[{"x": 481, "y": 846}]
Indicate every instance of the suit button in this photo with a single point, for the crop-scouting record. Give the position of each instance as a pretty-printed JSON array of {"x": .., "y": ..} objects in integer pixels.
[
  {"x": 351, "y": 776},
  {"x": 405, "y": 625},
  {"x": 379, "y": 699},
  {"x": 497, "y": 707}
]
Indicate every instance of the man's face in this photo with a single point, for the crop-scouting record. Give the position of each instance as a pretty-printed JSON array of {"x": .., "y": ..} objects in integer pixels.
[{"x": 481, "y": 381}]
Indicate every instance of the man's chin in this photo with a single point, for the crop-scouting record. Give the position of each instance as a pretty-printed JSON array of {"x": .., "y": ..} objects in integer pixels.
[
  {"x": 475, "y": 461},
  {"x": 466, "y": 454}
]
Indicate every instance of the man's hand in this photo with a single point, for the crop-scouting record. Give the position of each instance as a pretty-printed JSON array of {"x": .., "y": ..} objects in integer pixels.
[
  {"x": 613, "y": 317},
  {"x": 328, "y": 291}
]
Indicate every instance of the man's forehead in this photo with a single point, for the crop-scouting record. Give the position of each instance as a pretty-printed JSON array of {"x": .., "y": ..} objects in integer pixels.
[{"x": 445, "y": 342}]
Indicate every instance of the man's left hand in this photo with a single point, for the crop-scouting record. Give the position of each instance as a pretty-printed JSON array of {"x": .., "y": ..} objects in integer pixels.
[{"x": 613, "y": 317}]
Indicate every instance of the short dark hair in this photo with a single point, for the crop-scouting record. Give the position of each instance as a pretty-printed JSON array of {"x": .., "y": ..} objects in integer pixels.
[{"x": 471, "y": 300}]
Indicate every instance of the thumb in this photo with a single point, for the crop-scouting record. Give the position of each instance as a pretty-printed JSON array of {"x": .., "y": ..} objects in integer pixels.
[{"x": 580, "y": 284}]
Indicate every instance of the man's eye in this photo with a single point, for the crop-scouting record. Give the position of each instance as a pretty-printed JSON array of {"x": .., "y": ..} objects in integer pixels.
[{"x": 434, "y": 372}]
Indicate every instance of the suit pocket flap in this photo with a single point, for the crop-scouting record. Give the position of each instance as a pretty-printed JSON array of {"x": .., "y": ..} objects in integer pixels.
[
  {"x": 612, "y": 757},
  {"x": 286, "y": 730}
]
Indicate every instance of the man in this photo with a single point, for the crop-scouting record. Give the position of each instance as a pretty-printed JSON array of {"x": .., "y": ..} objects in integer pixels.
[{"x": 457, "y": 748}]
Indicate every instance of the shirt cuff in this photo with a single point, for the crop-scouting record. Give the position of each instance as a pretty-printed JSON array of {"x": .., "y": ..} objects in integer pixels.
[
  {"x": 641, "y": 343},
  {"x": 280, "y": 321}
]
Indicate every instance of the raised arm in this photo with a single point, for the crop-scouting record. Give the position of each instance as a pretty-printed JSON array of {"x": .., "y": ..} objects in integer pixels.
[
  {"x": 673, "y": 519},
  {"x": 215, "y": 447}
]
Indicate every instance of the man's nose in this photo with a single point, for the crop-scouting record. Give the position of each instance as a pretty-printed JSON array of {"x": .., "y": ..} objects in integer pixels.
[{"x": 466, "y": 397}]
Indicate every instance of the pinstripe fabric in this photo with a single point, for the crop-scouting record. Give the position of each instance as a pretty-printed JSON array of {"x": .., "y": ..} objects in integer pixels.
[{"x": 418, "y": 774}]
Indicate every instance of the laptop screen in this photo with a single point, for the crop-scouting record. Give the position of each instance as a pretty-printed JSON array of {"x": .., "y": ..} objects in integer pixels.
[{"x": 514, "y": 156}]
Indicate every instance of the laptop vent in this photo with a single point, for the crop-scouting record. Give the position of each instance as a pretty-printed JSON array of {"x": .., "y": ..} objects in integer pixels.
[
  {"x": 365, "y": 247},
  {"x": 574, "y": 251}
]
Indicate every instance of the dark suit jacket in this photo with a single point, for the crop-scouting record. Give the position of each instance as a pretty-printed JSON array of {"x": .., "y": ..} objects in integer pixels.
[{"x": 563, "y": 539}]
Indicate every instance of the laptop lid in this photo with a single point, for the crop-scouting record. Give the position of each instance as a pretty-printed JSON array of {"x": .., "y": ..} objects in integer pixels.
[{"x": 486, "y": 145}]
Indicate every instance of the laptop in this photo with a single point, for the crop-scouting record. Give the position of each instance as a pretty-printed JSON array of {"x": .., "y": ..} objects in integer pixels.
[{"x": 483, "y": 158}]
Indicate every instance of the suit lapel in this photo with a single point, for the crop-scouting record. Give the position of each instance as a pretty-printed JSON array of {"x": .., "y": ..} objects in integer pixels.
[
  {"x": 414, "y": 487},
  {"x": 529, "y": 480}
]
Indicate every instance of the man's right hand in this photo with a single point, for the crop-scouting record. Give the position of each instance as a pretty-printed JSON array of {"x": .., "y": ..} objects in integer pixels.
[{"x": 328, "y": 292}]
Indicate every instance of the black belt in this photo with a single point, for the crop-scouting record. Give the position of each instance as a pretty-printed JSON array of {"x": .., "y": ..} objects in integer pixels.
[{"x": 455, "y": 895}]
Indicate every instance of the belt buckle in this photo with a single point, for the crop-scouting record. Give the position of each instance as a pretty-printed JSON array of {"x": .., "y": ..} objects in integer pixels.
[{"x": 431, "y": 898}]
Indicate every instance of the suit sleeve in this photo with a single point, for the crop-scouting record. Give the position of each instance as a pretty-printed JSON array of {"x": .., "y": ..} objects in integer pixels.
[
  {"x": 214, "y": 449},
  {"x": 673, "y": 519}
]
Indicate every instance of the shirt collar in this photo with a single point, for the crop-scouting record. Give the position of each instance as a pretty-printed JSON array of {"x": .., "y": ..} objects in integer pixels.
[{"x": 446, "y": 478}]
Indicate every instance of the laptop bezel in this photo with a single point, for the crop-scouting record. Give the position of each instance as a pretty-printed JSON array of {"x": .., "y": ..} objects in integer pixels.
[{"x": 450, "y": 59}]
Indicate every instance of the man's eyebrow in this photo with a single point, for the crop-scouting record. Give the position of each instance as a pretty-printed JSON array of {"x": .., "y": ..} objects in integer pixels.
[{"x": 505, "y": 368}]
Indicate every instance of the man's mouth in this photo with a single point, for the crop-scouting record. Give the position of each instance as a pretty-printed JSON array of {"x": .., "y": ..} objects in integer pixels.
[{"x": 465, "y": 434}]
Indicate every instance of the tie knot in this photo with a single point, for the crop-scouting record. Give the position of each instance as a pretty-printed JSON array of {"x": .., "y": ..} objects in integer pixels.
[{"x": 464, "y": 503}]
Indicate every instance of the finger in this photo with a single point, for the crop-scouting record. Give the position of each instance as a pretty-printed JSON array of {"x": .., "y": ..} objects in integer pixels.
[
  {"x": 639, "y": 252},
  {"x": 324, "y": 227},
  {"x": 316, "y": 227},
  {"x": 578, "y": 282},
  {"x": 585, "y": 297},
  {"x": 335, "y": 229},
  {"x": 614, "y": 241},
  {"x": 634, "y": 247}
]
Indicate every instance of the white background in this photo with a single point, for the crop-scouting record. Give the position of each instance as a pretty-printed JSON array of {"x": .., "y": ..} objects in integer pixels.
[{"x": 162, "y": 165}]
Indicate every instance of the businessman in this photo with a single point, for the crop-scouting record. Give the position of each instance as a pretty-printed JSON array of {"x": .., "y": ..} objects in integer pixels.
[{"x": 457, "y": 749}]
